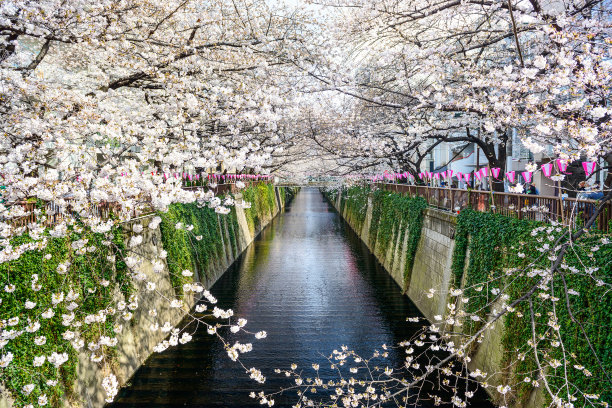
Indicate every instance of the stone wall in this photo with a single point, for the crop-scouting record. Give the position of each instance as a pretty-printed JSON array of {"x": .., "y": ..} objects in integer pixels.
[
  {"x": 432, "y": 270},
  {"x": 136, "y": 341},
  {"x": 432, "y": 264}
]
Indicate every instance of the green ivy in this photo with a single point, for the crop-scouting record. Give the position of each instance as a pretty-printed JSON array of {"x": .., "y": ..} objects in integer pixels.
[
  {"x": 85, "y": 270},
  {"x": 263, "y": 204},
  {"x": 486, "y": 236},
  {"x": 186, "y": 251},
  {"x": 391, "y": 213},
  {"x": 195, "y": 250},
  {"x": 497, "y": 244},
  {"x": 355, "y": 201},
  {"x": 89, "y": 268},
  {"x": 498, "y": 247}
]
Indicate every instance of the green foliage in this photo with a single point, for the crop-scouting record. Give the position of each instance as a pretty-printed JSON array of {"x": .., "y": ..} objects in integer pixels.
[
  {"x": 501, "y": 249},
  {"x": 331, "y": 193},
  {"x": 203, "y": 247},
  {"x": 86, "y": 269},
  {"x": 486, "y": 236},
  {"x": 196, "y": 250},
  {"x": 355, "y": 201},
  {"x": 504, "y": 255},
  {"x": 263, "y": 204}
]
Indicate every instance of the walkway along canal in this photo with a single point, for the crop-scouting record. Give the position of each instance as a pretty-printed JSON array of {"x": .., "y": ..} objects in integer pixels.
[{"x": 312, "y": 284}]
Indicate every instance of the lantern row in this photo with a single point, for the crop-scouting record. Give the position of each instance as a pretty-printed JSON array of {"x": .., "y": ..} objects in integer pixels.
[
  {"x": 210, "y": 177},
  {"x": 547, "y": 170}
]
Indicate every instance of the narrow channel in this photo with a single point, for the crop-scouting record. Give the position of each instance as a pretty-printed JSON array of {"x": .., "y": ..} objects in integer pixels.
[{"x": 312, "y": 284}]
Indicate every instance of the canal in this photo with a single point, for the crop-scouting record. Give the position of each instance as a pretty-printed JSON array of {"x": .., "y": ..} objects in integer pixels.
[{"x": 308, "y": 281}]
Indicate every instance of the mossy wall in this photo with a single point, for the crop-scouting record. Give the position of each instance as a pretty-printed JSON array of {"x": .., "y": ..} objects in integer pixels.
[
  {"x": 463, "y": 251},
  {"x": 216, "y": 240},
  {"x": 497, "y": 244},
  {"x": 389, "y": 224},
  {"x": 220, "y": 240},
  {"x": 36, "y": 277}
]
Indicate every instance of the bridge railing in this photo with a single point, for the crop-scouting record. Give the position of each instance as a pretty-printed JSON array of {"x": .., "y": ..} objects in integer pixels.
[{"x": 569, "y": 211}]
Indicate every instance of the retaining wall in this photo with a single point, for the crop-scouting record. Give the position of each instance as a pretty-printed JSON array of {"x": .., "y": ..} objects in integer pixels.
[
  {"x": 432, "y": 270},
  {"x": 136, "y": 341}
]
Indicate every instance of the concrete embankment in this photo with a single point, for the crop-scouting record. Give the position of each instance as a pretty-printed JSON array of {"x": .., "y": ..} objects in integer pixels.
[
  {"x": 421, "y": 266},
  {"x": 220, "y": 241}
]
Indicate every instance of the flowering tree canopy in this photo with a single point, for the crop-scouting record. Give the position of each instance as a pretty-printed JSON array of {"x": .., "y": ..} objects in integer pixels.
[
  {"x": 103, "y": 101},
  {"x": 472, "y": 72}
]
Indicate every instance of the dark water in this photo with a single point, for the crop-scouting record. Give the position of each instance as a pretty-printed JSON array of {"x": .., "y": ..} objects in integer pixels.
[{"x": 313, "y": 286}]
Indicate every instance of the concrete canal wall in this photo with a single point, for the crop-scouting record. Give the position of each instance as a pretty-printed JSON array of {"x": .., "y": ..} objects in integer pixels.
[
  {"x": 431, "y": 269},
  {"x": 233, "y": 233}
]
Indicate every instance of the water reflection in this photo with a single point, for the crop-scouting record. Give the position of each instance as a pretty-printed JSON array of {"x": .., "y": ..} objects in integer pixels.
[{"x": 312, "y": 285}]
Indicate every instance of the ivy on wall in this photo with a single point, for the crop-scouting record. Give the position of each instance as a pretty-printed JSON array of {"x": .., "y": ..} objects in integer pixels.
[
  {"x": 84, "y": 268},
  {"x": 355, "y": 205},
  {"x": 263, "y": 204},
  {"x": 205, "y": 245},
  {"x": 499, "y": 248},
  {"x": 486, "y": 236},
  {"x": 96, "y": 257},
  {"x": 196, "y": 250}
]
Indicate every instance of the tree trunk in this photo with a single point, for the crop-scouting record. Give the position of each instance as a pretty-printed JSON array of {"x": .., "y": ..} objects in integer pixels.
[
  {"x": 497, "y": 159},
  {"x": 608, "y": 180}
]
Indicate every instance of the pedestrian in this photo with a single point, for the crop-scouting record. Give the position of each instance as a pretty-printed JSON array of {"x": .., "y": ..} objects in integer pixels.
[
  {"x": 595, "y": 193},
  {"x": 532, "y": 189}
]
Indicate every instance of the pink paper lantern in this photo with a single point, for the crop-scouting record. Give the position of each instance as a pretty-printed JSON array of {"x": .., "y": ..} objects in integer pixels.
[
  {"x": 547, "y": 169},
  {"x": 527, "y": 176},
  {"x": 589, "y": 167}
]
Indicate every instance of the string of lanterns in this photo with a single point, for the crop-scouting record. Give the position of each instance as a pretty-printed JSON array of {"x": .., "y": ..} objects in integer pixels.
[
  {"x": 209, "y": 177},
  {"x": 547, "y": 170}
]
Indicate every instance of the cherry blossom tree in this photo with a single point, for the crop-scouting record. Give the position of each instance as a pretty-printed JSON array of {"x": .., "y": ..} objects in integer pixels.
[
  {"x": 473, "y": 72},
  {"x": 101, "y": 100},
  {"x": 103, "y": 103}
]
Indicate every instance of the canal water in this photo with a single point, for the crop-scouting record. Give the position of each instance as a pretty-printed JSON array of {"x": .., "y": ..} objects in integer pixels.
[{"x": 308, "y": 281}]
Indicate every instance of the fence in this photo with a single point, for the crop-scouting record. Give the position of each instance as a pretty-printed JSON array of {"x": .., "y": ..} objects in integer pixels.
[
  {"x": 569, "y": 211},
  {"x": 55, "y": 213}
]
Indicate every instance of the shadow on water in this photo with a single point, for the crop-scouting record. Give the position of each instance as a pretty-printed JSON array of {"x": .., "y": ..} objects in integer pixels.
[{"x": 313, "y": 285}]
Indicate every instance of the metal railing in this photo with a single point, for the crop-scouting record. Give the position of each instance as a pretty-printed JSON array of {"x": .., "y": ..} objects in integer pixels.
[{"x": 569, "y": 211}]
